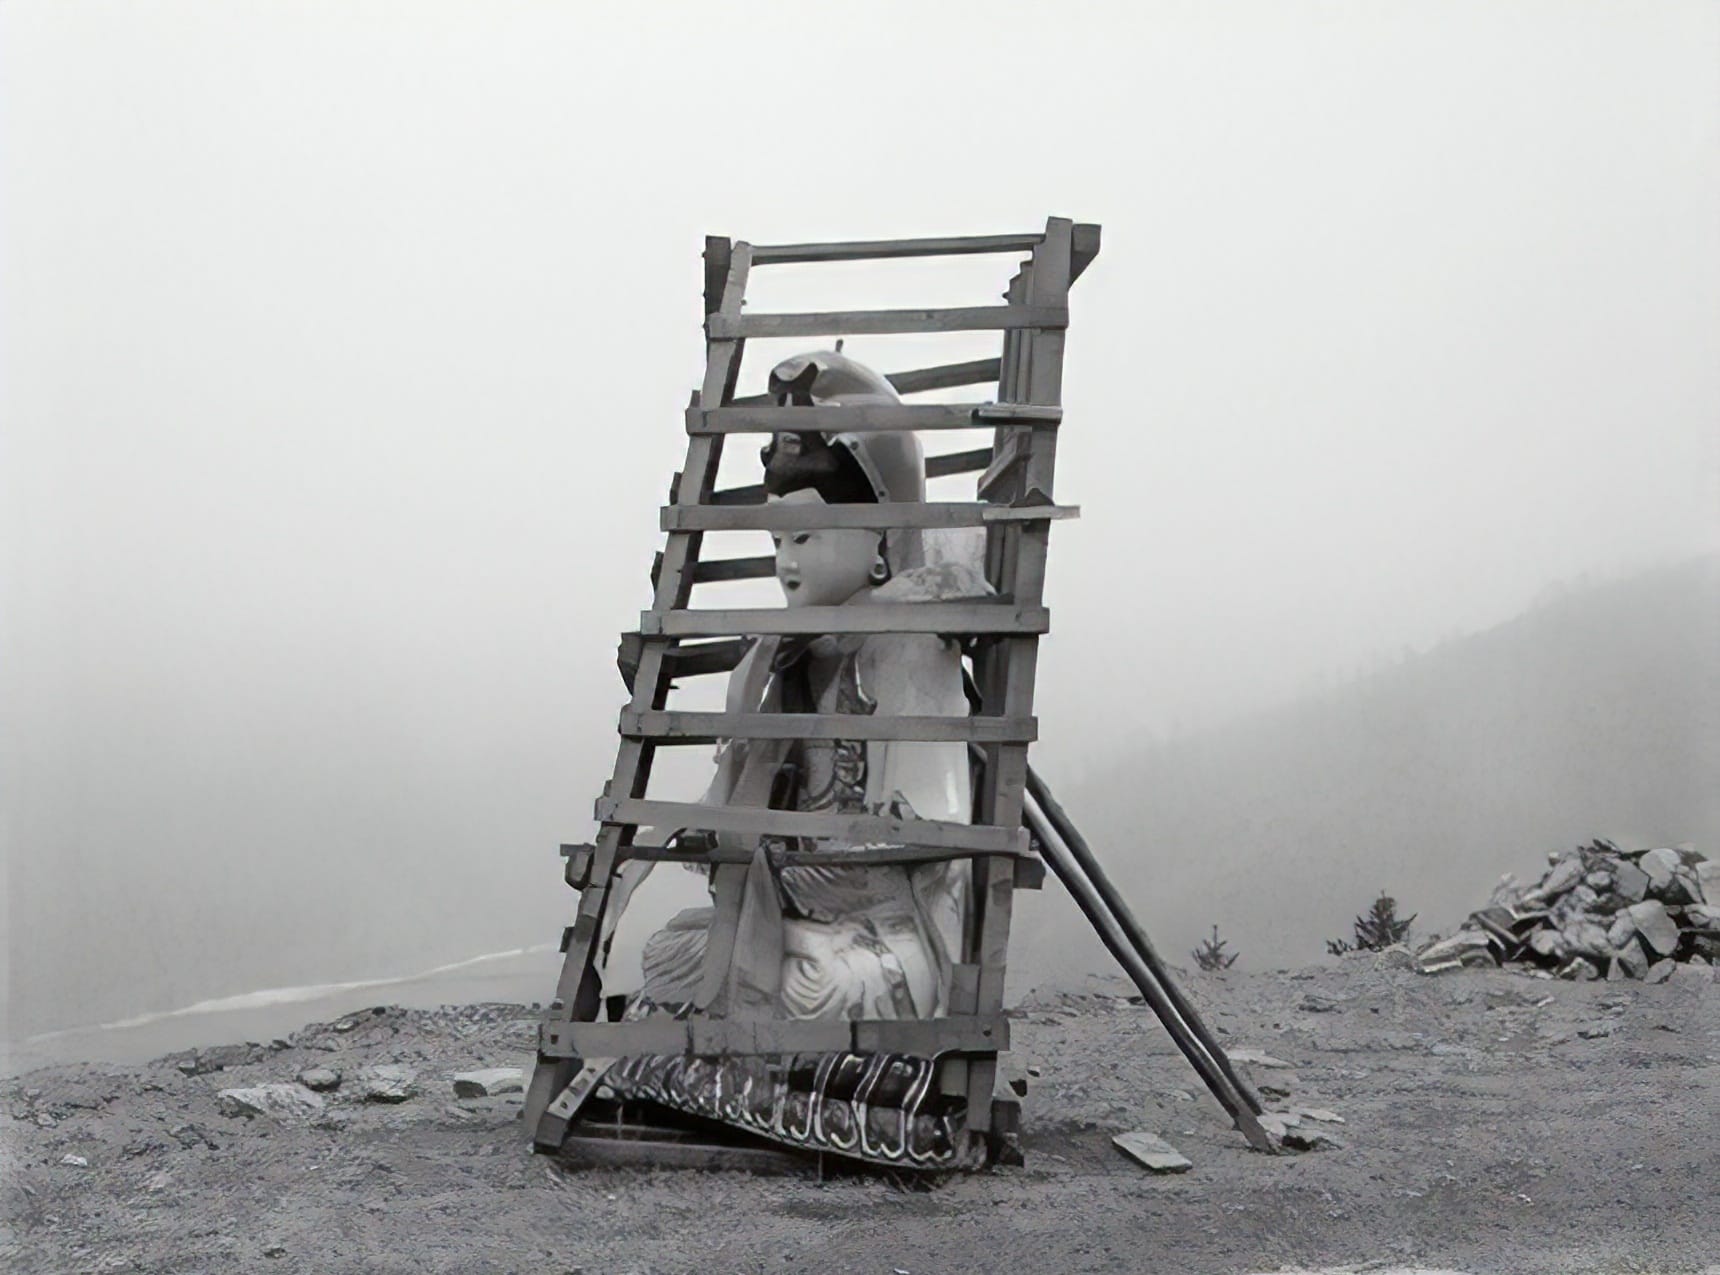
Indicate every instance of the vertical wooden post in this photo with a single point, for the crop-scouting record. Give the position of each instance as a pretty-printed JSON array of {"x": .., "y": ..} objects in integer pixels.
[
  {"x": 1006, "y": 676},
  {"x": 578, "y": 990}
]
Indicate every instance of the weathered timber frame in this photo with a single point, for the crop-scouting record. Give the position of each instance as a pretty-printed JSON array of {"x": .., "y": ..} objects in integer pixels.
[{"x": 1015, "y": 506}]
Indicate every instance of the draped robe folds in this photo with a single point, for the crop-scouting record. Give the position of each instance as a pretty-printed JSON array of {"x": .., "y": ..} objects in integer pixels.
[{"x": 828, "y": 942}]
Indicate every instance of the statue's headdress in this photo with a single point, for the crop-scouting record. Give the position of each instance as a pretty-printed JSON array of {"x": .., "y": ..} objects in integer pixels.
[{"x": 844, "y": 468}]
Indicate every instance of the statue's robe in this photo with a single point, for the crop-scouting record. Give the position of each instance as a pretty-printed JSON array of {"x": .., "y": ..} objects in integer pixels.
[{"x": 829, "y": 942}]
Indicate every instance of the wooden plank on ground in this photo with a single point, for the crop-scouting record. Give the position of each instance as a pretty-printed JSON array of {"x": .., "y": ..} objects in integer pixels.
[
  {"x": 850, "y": 829},
  {"x": 949, "y": 618},
  {"x": 590, "y": 1151},
  {"x": 983, "y": 318}
]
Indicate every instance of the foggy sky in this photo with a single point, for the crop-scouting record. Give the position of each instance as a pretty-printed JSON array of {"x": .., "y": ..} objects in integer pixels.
[{"x": 345, "y": 351}]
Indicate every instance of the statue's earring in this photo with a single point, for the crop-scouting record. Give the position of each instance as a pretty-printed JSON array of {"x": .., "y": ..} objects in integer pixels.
[{"x": 880, "y": 571}]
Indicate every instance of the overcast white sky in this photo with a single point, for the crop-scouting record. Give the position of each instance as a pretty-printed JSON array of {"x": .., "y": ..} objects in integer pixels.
[{"x": 346, "y": 344}]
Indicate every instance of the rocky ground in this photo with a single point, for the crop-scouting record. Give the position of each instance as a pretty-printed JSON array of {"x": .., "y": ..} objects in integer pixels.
[{"x": 1491, "y": 1121}]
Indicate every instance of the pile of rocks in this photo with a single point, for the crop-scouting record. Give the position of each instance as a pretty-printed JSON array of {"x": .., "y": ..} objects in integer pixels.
[{"x": 1597, "y": 912}]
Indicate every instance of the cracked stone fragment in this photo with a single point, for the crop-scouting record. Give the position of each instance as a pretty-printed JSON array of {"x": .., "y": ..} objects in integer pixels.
[
  {"x": 1630, "y": 882},
  {"x": 488, "y": 1082},
  {"x": 1629, "y": 960},
  {"x": 1660, "y": 865},
  {"x": 1255, "y": 1057},
  {"x": 320, "y": 1079},
  {"x": 1563, "y": 876},
  {"x": 282, "y": 1102},
  {"x": 1656, "y": 926},
  {"x": 1152, "y": 1152},
  {"x": 387, "y": 1082}
]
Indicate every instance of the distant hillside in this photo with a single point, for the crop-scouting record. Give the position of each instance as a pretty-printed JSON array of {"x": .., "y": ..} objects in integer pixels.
[{"x": 1596, "y": 713}]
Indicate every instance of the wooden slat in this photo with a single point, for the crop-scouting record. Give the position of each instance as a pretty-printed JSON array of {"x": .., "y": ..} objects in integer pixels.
[
  {"x": 846, "y": 828},
  {"x": 869, "y": 857},
  {"x": 970, "y": 462},
  {"x": 1083, "y": 247},
  {"x": 704, "y": 728},
  {"x": 751, "y": 494},
  {"x": 865, "y": 418},
  {"x": 945, "y": 376},
  {"x": 884, "y": 617},
  {"x": 882, "y": 249},
  {"x": 798, "y": 517},
  {"x": 706, "y": 1037},
  {"x": 716, "y": 570},
  {"x": 636, "y": 1152},
  {"x": 984, "y": 318},
  {"x": 691, "y": 659}
]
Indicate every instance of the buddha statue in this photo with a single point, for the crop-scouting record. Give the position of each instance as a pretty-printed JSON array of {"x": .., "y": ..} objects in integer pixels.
[{"x": 817, "y": 942}]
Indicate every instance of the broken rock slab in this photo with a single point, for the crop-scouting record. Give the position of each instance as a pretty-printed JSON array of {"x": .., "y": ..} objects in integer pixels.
[
  {"x": 281, "y": 1102},
  {"x": 1152, "y": 1152},
  {"x": 1661, "y": 865},
  {"x": 1656, "y": 926},
  {"x": 319, "y": 1079},
  {"x": 1255, "y": 1057},
  {"x": 387, "y": 1082},
  {"x": 488, "y": 1082},
  {"x": 1308, "y": 1138}
]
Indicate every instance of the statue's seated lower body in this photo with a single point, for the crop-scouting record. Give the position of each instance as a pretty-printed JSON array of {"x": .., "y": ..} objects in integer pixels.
[{"x": 855, "y": 944}]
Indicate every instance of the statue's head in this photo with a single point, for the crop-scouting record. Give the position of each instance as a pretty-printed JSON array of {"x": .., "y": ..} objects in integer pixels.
[{"x": 826, "y": 568}]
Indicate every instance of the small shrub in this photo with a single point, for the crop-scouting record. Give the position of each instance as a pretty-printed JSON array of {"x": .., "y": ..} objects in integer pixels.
[
  {"x": 1211, "y": 955},
  {"x": 1375, "y": 930},
  {"x": 1380, "y": 927}
]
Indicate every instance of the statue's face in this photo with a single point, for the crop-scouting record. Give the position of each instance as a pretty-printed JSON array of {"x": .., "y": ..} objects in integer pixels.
[{"x": 822, "y": 568}]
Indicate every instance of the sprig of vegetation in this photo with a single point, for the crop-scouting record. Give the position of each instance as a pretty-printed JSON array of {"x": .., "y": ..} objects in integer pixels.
[
  {"x": 1211, "y": 955},
  {"x": 1376, "y": 929}
]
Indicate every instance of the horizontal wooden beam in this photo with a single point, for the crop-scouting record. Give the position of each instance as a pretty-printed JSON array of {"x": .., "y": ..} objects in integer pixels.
[
  {"x": 690, "y": 659},
  {"x": 867, "y": 857},
  {"x": 949, "y": 463},
  {"x": 704, "y": 728},
  {"x": 709, "y": 1037},
  {"x": 905, "y": 514},
  {"x": 984, "y": 318},
  {"x": 752, "y": 494},
  {"x": 883, "y": 249},
  {"x": 866, "y": 418},
  {"x": 945, "y": 376},
  {"x": 949, "y": 618},
  {"x": 633, "y": 1149},
  {"x": 716, "y": 570},
  {"x": 848, "y": 829}
]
